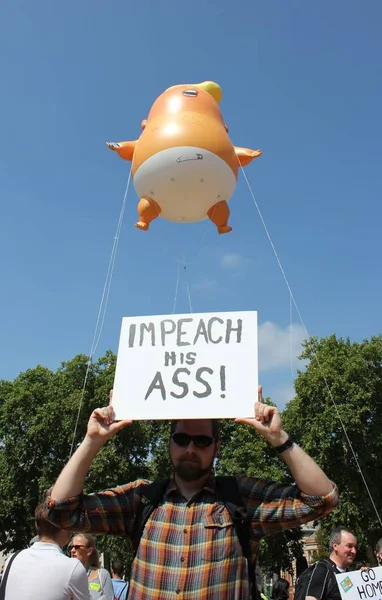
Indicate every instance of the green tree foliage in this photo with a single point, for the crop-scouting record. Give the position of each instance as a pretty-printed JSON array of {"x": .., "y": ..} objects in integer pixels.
[
  {"x": 342, "y": 381},
  {"x": 38, "y": 415},
  {"x": 341, "y": 387}
]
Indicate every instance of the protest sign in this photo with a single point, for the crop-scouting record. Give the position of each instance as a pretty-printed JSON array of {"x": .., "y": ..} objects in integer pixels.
[
  {"x": 187, "y": 366},
  {"x": 361, "y": 585}
]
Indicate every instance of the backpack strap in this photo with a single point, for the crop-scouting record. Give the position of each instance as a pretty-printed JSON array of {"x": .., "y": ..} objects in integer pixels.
[
  {"x": 150, "y": 498},
  {"x": 121, "y": 592},
  {"x": 303, "y": 580},
  {"x": 331, "y": 570},
  {"x": 5, "y": 575},
  {"x": 228, "y": 492}
]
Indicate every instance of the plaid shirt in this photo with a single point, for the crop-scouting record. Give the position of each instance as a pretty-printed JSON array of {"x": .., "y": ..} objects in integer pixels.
[{"x": 189, "y": 549}]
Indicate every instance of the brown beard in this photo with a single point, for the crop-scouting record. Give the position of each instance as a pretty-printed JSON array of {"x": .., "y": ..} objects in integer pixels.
[{"x": 191, "y": 471}]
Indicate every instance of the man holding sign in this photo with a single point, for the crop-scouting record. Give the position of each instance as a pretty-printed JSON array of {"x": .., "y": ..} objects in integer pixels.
[{"x": 189, "y": 548}]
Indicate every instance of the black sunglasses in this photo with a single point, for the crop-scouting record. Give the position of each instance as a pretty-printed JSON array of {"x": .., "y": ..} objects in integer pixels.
[
  {"x": 200, "y": 441},
  {"x": 76, "y": 547}
]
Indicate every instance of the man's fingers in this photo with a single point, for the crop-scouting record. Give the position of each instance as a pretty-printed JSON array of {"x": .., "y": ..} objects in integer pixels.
[
  {"x": 117, "y": 425},
  {"x": 260, "y": 393},
  {"x": 264, "y": 413},
  {"x": 268, "y": 412},
  {"x": 244, "y": 421},
  {"x": 258, "y": 406},
  {"x": 105, "y": 414}
]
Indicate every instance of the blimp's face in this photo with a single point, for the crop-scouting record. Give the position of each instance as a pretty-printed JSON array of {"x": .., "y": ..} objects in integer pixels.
[
  {"x": 188, "y": 99},
  {"x": 182, "y": 100}
]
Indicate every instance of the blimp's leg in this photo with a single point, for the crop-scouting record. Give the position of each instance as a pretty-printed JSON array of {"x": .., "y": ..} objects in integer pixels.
[
  {"x": 148, "y": 210},
  {"x": 219, "y": 214}
]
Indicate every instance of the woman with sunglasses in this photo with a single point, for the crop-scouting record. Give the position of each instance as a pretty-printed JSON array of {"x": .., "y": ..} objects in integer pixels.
[{"x": 83, "y": 547}]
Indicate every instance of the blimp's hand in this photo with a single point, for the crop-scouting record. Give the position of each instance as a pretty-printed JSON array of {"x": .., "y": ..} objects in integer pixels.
[
  {"x": 124, "y": 149},
  {"x": 113, "y": 145},
  {"x": 246, "y": 155}
]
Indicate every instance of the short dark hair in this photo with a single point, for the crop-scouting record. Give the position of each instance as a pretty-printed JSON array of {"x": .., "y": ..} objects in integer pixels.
[
  {"x": 215, "y": 425},
  {"x": 42, "y": 525},
  {"x": 117, "y": 567},
  {"x": 335, "y": 536},
  {"x": 280, "y": 590}
]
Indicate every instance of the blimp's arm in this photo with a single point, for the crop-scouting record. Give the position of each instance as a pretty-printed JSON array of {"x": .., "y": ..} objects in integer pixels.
[
  {"x": 246, "y": 155},
  {"x": 124, "y": 149}
]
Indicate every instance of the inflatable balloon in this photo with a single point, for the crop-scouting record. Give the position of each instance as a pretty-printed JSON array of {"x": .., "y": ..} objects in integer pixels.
[{"x": 184, "y": 165}]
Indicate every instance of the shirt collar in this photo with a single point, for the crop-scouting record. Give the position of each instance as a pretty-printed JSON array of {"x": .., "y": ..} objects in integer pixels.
[
  {"x": 209, "y": 486},
  {"x": 47, "y": 546},
  {"x": 337, "y": 567}
]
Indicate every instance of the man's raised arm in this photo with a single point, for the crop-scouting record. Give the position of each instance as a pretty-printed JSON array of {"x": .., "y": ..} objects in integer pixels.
[
  {"x": 101, "y": 427},
  {"x": 308, "y": 476}
]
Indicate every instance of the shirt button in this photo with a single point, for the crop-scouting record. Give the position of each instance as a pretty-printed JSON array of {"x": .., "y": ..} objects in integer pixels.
[
  {"x": 177, "y": 591},
  {"x": 182, "y": 559},
  {"x": 184, "y": 530}
]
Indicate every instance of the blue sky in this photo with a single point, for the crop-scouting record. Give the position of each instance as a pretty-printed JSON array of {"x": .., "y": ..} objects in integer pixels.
[{"x": 300, "y": 80}]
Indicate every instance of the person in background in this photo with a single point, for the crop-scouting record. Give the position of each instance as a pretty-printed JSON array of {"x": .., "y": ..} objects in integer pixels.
[
  {"x": 280, "y": 590},
  {"x": 83, "y": 547},
  {"x": 120, "y": 586},
  {"x": 378, "y": 551},
  {"x": 343, "y": 550},
  {"x": 43, "y": 570}
]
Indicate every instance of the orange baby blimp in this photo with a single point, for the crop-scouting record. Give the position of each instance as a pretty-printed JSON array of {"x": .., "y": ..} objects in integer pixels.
[{"x": 184, "y": 165}]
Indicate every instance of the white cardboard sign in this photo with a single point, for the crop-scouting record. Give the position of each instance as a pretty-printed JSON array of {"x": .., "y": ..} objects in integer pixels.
[
  {"x": 361, "y": 585},
  {"x": 190, "y": 366}
]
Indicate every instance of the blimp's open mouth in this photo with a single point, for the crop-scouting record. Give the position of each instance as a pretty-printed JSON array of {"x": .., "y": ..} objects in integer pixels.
[
  {"x": 182, "y": 159},
  {"x": 190, "y": 93}
]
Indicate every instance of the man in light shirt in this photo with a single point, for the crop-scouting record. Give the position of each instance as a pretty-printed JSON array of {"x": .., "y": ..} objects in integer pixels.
[{"x": 43, "y": 570}]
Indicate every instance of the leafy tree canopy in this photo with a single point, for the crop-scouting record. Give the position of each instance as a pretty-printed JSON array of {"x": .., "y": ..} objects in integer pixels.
[
  {"x": 341, "y": 390},
  {"x": 340, "y": 386}
]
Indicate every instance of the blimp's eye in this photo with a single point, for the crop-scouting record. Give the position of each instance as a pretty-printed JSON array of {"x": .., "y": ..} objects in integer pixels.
[{"x": 191, "y": 93}]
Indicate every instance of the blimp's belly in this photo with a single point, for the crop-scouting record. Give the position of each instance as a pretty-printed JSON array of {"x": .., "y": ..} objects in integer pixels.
[{"x": 185, "y": 181}]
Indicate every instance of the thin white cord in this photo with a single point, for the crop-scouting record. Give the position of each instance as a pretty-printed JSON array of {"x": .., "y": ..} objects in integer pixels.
[
  {"x": 103, "y": 305},
  {"x": 176, "y": 287},
  {"x": 188, "y": 288},
  {"x": 112, "y": 263},
  {"x": 290, "y": 336},
  {"x": 314, "y": 354},
  {"x": 274, "y": 251},
  {"x": 189, "y": 297}
]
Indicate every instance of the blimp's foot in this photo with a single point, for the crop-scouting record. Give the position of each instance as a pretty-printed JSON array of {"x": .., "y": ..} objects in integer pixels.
[
  {"x": 148, "y": 210},
  {"x": 143, "y": 226},
  {"x": 224, "y": 229},
  {"x": 219, "y": 215}
]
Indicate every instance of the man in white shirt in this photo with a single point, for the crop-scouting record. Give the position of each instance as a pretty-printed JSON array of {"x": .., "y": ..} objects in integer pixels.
[{"x": 43, "y": 570}]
